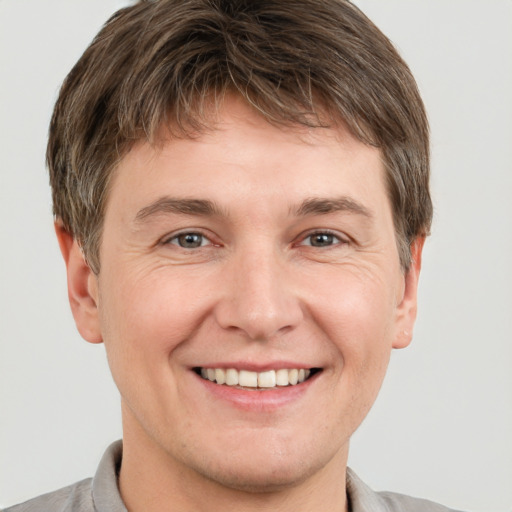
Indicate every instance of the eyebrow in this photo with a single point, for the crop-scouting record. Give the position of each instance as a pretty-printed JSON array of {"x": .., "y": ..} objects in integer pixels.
[
  {"x": 164, "y": 205},
  {"x": 205, "y": 207},
  {"x": 322, "y": 206}
]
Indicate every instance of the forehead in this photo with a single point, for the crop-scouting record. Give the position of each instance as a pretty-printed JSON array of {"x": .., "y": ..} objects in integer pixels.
[{"x": 244, "y": 159}]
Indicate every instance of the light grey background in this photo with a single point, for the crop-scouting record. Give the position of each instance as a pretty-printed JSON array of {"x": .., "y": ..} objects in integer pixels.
[{"x": 442, "y": 427}]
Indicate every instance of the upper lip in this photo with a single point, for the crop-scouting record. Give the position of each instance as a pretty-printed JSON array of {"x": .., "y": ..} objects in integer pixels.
[{"x": 258, "y": 366}]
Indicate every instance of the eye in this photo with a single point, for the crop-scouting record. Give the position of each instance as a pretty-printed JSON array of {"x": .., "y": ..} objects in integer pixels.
[
  {"x": 189, "y": 240},
  {"x": 322, "y": 239}
]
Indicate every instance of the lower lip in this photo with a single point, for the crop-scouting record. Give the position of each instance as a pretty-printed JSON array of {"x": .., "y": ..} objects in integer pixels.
[{"x": 260, "y": 399}]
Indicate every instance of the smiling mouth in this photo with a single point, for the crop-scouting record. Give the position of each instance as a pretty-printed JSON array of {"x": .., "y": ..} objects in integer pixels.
[{"x": 257, "y": 380}]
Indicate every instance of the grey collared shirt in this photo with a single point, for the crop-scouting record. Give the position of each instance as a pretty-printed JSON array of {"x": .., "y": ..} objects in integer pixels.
[{"x": 101, "y": 494}]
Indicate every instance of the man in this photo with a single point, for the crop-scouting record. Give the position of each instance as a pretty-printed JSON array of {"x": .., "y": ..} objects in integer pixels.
[{"x": 241, "y": 199}]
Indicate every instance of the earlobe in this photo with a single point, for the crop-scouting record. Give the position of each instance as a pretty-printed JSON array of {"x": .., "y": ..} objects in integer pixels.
[
  {"x": 407, "y": 309},
  {"x": 82, "y": 286}
]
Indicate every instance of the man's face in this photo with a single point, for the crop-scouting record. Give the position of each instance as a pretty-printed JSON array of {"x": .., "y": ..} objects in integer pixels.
[{"x": 245, "y": 252}]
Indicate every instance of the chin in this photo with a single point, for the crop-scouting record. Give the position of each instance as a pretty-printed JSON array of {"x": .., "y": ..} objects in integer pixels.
[
  {"x": 260, "y": 480},
  {"x": 262, "y": 473}
]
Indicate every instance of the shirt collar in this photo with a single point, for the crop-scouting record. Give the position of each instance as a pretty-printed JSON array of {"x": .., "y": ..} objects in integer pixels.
[
  {"x": 361, "y": 498},
  {"x": 105, "y": 491}
]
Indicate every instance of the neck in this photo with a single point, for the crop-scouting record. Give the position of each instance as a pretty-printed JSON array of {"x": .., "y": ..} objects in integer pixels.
[{"x": 152, "y": 479}]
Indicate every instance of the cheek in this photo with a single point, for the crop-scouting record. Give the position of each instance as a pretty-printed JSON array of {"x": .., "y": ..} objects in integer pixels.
[
  {"x": 144, "y": 319},
  {"x": 358, "y": 312},
  {"x": 159, "y": 306},
  {"x": 357, "y": 318}
]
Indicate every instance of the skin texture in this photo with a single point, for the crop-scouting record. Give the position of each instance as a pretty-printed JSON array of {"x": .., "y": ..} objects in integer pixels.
[{"x": 256, "y": 294}]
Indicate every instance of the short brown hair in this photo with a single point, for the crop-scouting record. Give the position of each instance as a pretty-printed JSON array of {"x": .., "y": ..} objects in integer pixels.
[{"x": 163, "y": 61}]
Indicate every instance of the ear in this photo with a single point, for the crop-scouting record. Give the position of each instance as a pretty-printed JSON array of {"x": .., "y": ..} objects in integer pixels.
[
  {"x": 407, "y": 308},
  {"x": 82, "y": 286}
]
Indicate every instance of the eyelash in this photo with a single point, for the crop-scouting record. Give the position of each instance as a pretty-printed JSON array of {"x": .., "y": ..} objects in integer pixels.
[
  {"x": 174, "y": 240},
  {"x": 337, "y": 239}
]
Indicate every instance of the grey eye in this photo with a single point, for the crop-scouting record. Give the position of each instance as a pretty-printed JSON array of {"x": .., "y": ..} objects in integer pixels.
[
  {"x": 189, "y": 240},
  {"x": 322, "y": 239}
]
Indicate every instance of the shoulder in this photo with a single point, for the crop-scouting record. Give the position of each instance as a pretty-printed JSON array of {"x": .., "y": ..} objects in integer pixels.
[
  {"x": 98, "y": 494},
  {"x": 401, "y": 503},
  {"x": 73, "y": 498},
  {"x": 363, "y": 499}
]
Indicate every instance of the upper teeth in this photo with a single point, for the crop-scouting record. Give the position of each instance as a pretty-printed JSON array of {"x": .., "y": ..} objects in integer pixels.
[{"x": 244, "y": 378}]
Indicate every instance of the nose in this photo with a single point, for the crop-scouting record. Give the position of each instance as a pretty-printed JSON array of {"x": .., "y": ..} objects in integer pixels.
[{"x": 260, "y": 296}]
